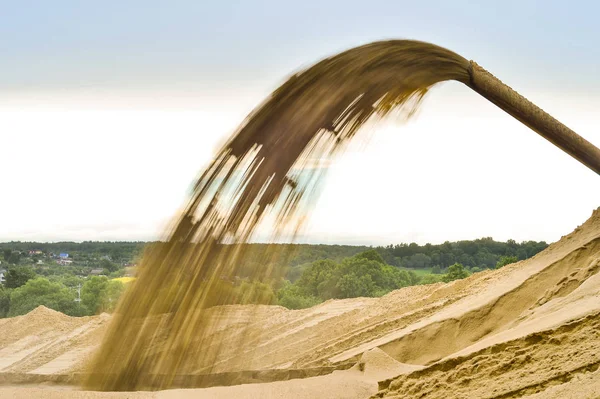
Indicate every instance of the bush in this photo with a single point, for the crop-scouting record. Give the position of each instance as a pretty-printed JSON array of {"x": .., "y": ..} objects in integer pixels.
[
  {"x": 254, "y": 292},
  {"x": 99, "y": 294},
  {"x": 371, "y": 255},
  {"x": 431, "y": 279},
  {"x": 41, "y": 291},
  {"x": 506, "y": 260},
  {"x": 4, "y": 301},
  {"x": 455, "y": 272},
  {"x": 292, "y": 297},
  {"x": 363, "y": 275},
  {"x": 17, "y": 276}
]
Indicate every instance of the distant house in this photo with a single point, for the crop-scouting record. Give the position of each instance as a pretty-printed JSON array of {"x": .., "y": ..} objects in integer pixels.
[
  {"x": 63, "y": 255},
  {"x": 64, "y": 262},
  {"x": 2, "y": 274},
  {"x": 36, "y": 252},
  {"x": 97, "y": 272}
]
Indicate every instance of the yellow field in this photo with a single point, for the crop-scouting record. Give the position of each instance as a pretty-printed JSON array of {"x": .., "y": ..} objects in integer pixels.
[{"x": 124, "y": 280}]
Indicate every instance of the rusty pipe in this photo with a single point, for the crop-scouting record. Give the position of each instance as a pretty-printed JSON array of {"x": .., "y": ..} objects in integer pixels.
[{"x": 533, "y": 116}]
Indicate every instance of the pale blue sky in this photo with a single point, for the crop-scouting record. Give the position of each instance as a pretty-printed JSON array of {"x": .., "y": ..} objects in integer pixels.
[
  {"x": 58, "y": 45},
  {"x": 99, "y": 96}
]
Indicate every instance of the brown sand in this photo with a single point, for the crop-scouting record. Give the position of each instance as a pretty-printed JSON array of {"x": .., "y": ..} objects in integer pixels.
[
  {"x": 357, "y": 383},
  {"x": 531, "y": 328}
]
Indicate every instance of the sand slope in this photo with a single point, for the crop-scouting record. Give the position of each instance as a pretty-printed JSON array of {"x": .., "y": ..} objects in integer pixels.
[{"x": 531, "y": 328}]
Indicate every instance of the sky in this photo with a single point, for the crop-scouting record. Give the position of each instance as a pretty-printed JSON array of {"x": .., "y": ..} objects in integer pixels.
[{"x": 97, "y": 98}]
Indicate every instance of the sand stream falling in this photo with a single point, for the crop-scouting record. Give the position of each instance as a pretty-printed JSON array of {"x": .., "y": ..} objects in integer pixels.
[{"x": 269, "y": 169}]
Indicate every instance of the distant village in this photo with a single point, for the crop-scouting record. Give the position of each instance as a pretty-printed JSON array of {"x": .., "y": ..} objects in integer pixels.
[{"x": 81, "y": 264}]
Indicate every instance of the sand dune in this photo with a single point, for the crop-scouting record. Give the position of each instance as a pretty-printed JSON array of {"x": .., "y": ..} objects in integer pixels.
[{"x": 531, "y": 329}]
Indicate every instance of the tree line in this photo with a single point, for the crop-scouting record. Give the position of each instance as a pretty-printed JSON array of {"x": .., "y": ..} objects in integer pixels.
[
  {"x": 481, "y": 253},
  {"x": 302, "y": 274}
]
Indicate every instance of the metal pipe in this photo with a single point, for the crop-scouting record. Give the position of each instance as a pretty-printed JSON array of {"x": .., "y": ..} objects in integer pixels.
[{"x": 531, "y": 115}]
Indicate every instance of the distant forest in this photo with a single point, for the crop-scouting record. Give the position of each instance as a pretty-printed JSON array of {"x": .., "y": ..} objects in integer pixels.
[
  {"x": 88, "y": 277},
  {"x": 475, "y": 255},
  {"x": 481, "y": 253}
]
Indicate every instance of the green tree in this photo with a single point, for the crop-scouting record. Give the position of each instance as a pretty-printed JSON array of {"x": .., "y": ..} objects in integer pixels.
[
  {"x": 294, "y": 273},
  {"x": 92, "y": 292},
  {"x": 365, "y": 274},
  {"x": 352, "y": 285},
  {"x": 108, "y": 265},
  {"x": 394, "y": 278},
  {"x": 292, "y": 297},
  {"x": 316, "y": 280},
  {"x": 362, "y": 275},
  {"x": 70, "y": 281},
  {"x": 455, "y": 272},
  {"x": 254, "y": 292},
  {"x": 506, "y": 260},
  {"x": 4, "y": 301},
  {"x": 40, "y": 291},
  {"x": 99, "y": 294},
  {"x": 14, "y": 258},
  {"x": 6, "y": 252},
  {"x": 417, "y": 261},
  {"x": 371, "y": 255},
  {"x": 17, "y": 276}
]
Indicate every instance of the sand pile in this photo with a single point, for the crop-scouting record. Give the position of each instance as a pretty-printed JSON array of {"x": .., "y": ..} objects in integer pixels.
[
  {"x": 45, "y": 341},
  {"x": 38, "y": 321},
  {"x": 515, "y": 368},
  {"x": 540, "y": 330},
  {"x": 421, "y": 325}
]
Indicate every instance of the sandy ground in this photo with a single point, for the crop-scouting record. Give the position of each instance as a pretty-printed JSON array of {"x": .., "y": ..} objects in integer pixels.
[
  {"x": 528, "y": 329},
  {"x": 359, "y": 382}
]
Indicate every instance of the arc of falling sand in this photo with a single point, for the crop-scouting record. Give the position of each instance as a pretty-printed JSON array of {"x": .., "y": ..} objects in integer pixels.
[{"x": 338, "y": 94}]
